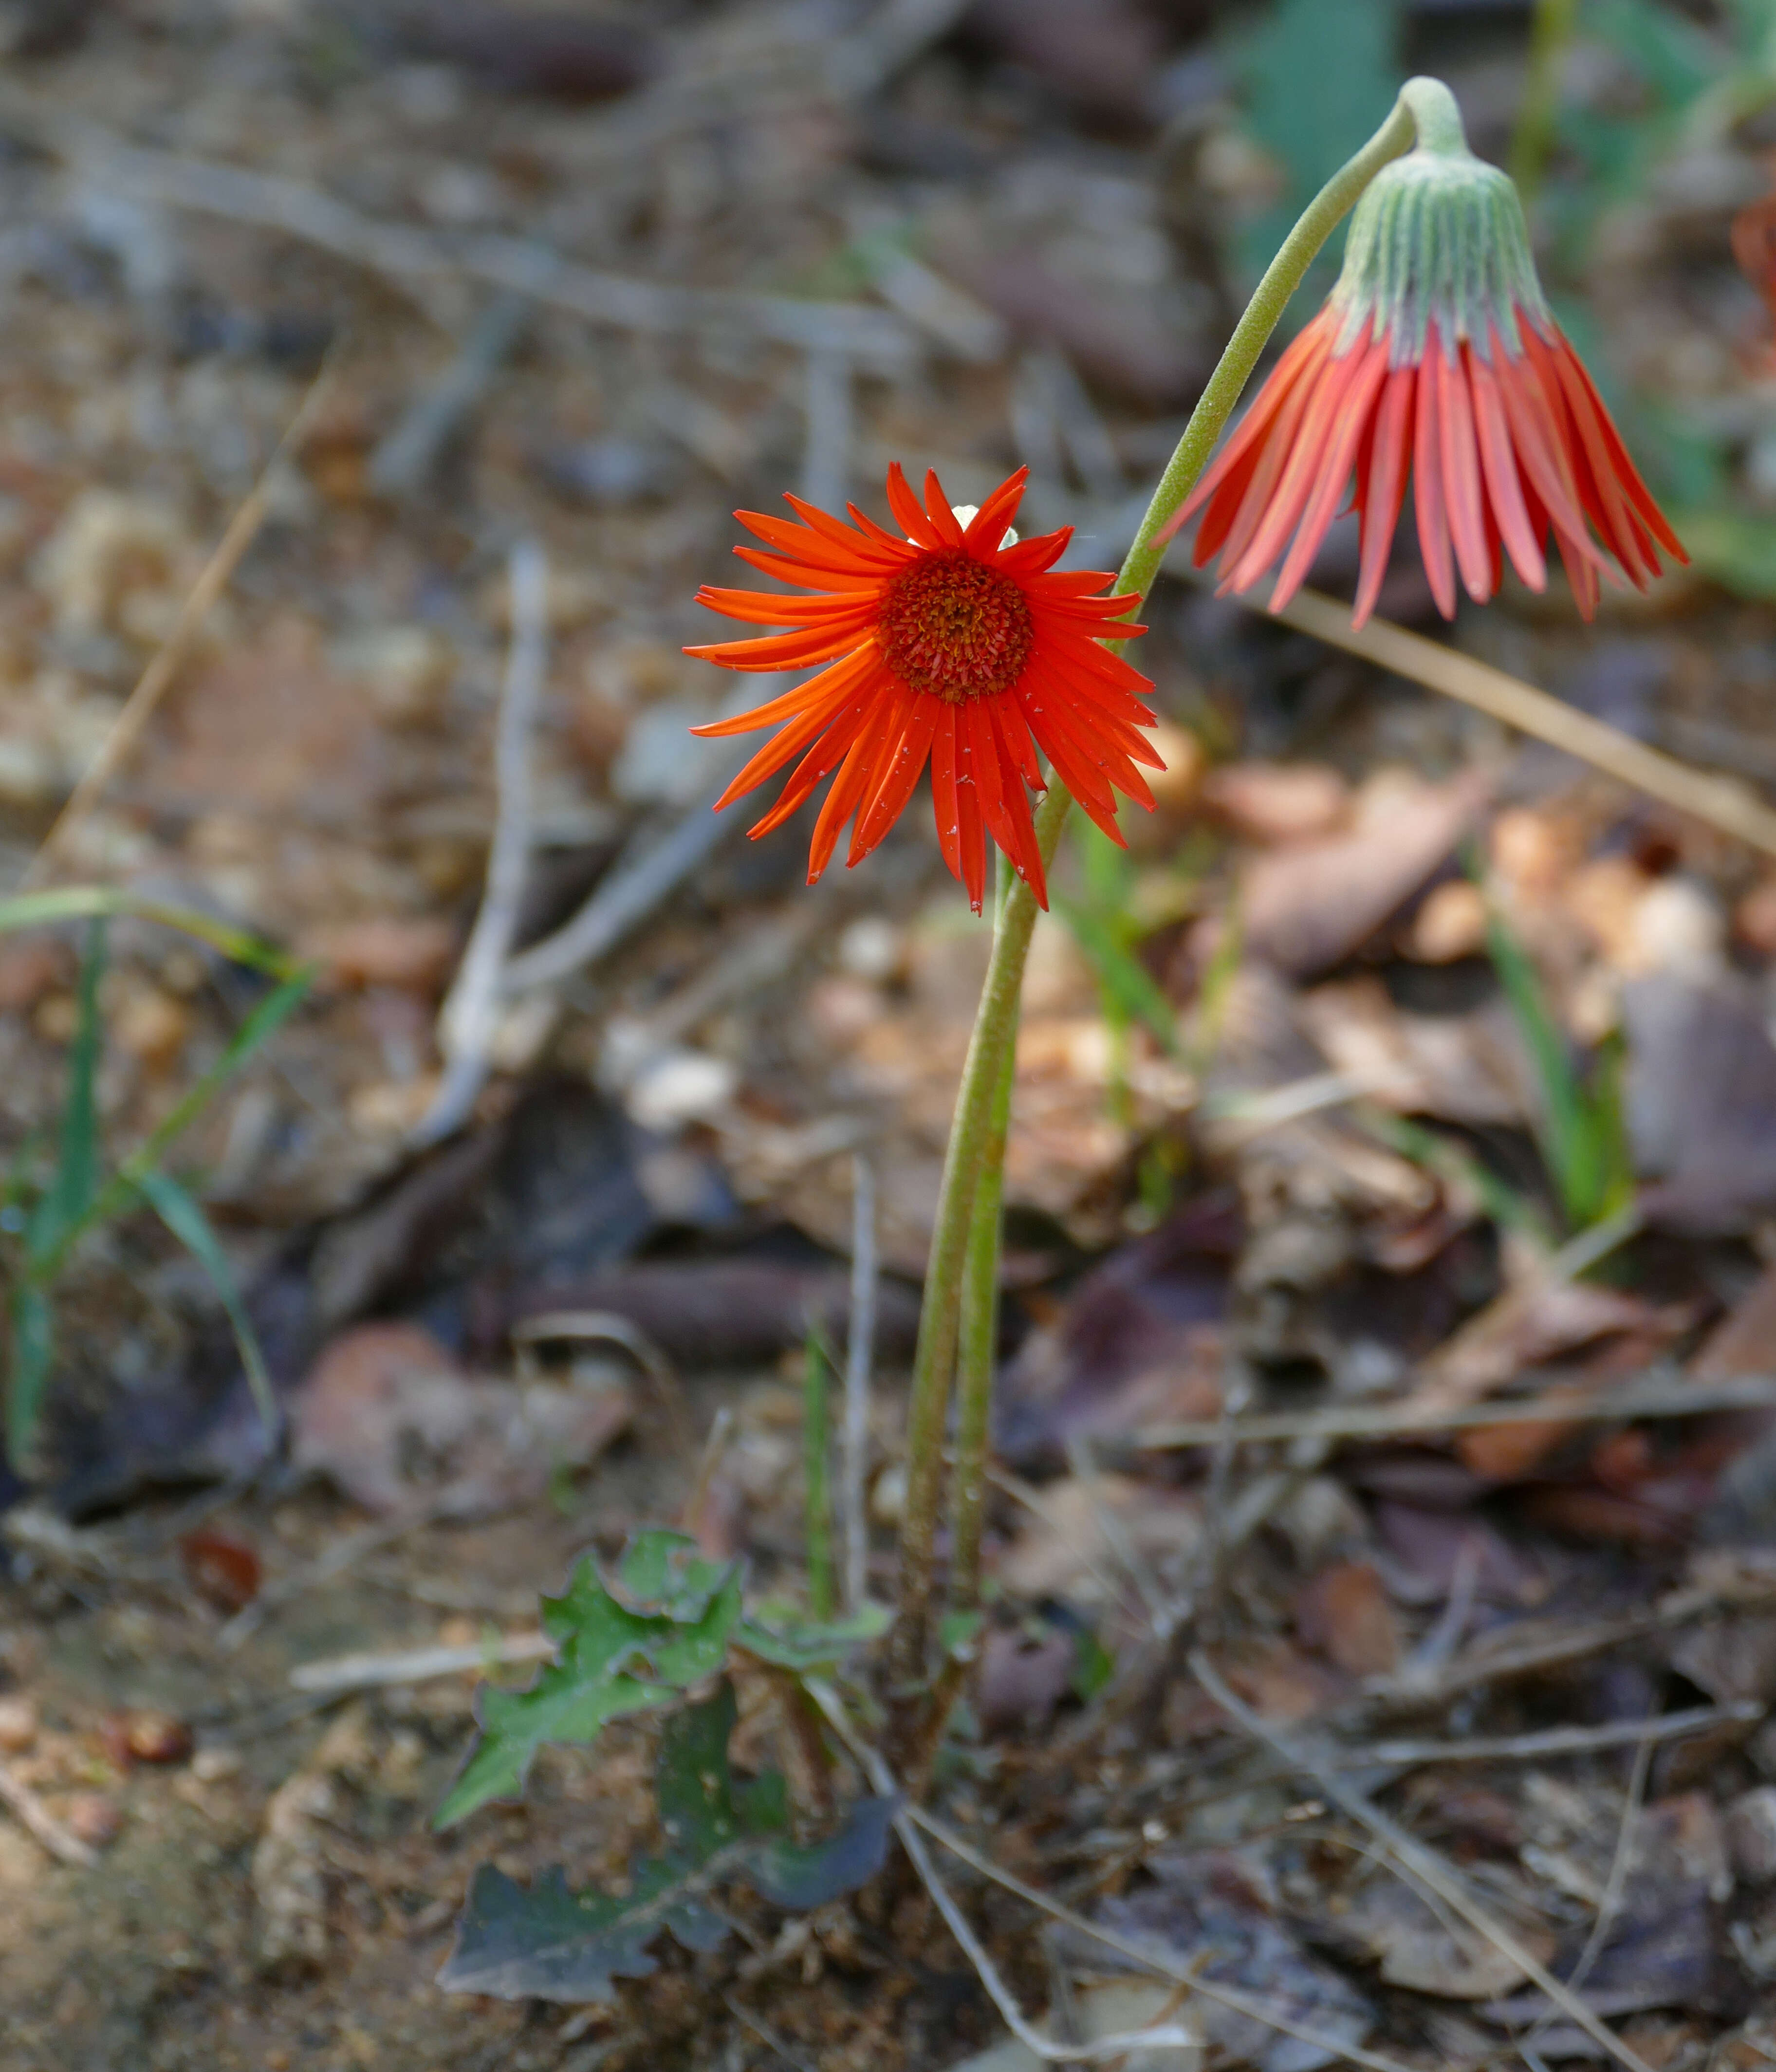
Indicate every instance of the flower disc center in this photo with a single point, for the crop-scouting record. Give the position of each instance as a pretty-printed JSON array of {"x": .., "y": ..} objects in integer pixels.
[{"x": 951, "y": 626}]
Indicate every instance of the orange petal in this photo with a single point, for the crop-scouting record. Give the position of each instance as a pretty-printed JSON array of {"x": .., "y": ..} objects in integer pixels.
[
  {"x": 1319, "y": 427},
  {"x": 1504, "y": 491},
  {"x": 945, "y": 808},
  {"x": 908, "y": 515},
  {"x": 1387, "y": 486},
  {"x": 1254, "y": 428},
  {"x": 1627, "y": 473},
  {"x": 1433, "y": 522},
  {"x": 1273, "y": 457},
  {"x": 900, "y": 775},
  {"x": 944, "y": 521},
  {"x": 987, "y": 527},
  {"x": 779, "y": 651},
  {"x": 971, "y": 829},
  {"x": 1352, "y": 421},
  {"x": 1461, "y": 471}
]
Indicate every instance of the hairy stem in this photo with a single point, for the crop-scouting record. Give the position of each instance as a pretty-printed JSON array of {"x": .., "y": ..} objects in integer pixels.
[
  {"x": 986, "y": 1076},
  {"x": 978, "y": 1334}
]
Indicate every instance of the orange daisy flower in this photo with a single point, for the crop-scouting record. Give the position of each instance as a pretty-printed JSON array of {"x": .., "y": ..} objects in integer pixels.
[
  {"x": 1436, "y": 356},
  {"x": 959, "y": 643}
]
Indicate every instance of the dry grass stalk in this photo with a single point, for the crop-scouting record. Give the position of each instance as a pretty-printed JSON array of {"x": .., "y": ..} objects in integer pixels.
[
  {"x": 1421, "y": 1867},
  {"x": 1723, "y": 803},
  {"x": 35, "y": 1817},
  {"x": 157, "y": 679}
]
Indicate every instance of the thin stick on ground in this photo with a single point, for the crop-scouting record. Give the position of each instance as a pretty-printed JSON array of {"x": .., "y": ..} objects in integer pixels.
[
  {"x": 174, "y": 651},
  {"x": 335, "y": 1673},
  {"x": 416, "y": 259},
  {"x": 882, "y": 1781},
  {"x": 647, "y": 874},
  {"x": 860, "y": 1352},
  {"x": 1655, "y": 1394},
  {"x": 1420, "y": 1866},
  {"x": 401, "y": 463},
  {"x": 341, "y": 1556},
  {"x": 650, "y": 869},
  {"x": 469, "y": 1017},
  {"x": 818, "y": 1367},
  {"x": 1544, "y": 1743},
  {"x": 1723, "y": 803},
  {"x": 1142, "y": 1956},
  {"x": 1616, "y": 1883},
  {"x": 35, "y": 1817},
  {"x": 1482, "y": 1664}
]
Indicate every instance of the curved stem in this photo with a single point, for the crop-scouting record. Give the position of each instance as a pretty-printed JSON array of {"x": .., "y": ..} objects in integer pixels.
[{"x": 987, "y": 1073}]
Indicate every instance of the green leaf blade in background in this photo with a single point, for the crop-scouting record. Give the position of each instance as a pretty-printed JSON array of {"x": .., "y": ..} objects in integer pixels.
[
  {"x": 31, "y": 1351},
  {"x": 74, "y": 1183},
  {"x": 182, "y": 1216},
  {"x": 1316, "y": 79}
]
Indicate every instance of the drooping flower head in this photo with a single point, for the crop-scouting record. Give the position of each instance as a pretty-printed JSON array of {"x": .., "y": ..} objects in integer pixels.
[
  {"x": 959, "y": 645},
  {"x": 1436, "y": 359}
]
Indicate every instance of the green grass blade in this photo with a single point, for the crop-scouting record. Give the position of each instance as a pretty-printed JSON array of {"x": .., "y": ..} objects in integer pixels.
[
  {"x": 1570, "y": 1127},
  {"x": 32, "y": 1348},
  {"x": 86, "y": 902},
  {"x": 1130, "y": 991},
  {"x": 258, "y": 1028},
  {"x": 182, "y": 1214},
  {"x": 74, "y": 1182},
  {"x": 1500, "y": 1201},
  {"x": 817, "y": 1445}
]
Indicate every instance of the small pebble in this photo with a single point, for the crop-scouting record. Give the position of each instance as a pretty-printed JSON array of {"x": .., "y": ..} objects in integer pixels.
[
  {"x": 18, "y": 1725},
  {"x": 222, "y": 1569},
  {"x": 144, "y": 1735},
  {"x": 210, "y": 1765},
  {"x": 1751, "y": 1834},
  {"x": 92, "y": 1818}
]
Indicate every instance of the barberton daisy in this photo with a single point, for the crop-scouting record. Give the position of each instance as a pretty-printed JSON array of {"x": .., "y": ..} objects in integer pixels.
[
  {"x": 1436, "y": 356},
  {"x": 959, "y": 644}
]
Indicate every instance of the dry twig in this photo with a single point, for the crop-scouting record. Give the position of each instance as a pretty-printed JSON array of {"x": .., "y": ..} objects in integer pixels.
[
  {"x": 342, "y": 1554},
  {"x": 412, "y": 256},
  {"x": 650, "y": 870},
  {"x": 469, "y": 1017},
  {"x": 1139, "y": 1955},
  {"x": 335, "y": 1673},
  {"x": 35, "y": 1817},
  {"x": 1721, "y": 802},
  {"x": 1420, "y": 1866},
  {"x": 1545, "y": 1743},
  {"x": 152, "y": 686},
  {"x": 407, "y": 455},
  {"x": 1658, "y": 1394},
  {"x": 1493, "y": 1664}
]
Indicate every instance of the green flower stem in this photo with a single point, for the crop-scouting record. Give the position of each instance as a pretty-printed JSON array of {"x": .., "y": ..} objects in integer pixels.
[
  {"x": 978, "y": 1331},
  {"x": 986, "y": 1076},
  {"x": 817, "y": 1364}
]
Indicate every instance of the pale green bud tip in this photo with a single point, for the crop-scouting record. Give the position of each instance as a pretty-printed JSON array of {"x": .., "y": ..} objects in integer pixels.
[{"x": 1439, "y": 235}]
